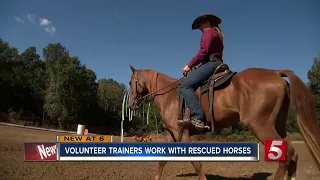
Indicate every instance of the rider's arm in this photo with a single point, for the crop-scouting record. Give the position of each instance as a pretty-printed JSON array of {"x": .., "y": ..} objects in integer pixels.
[{"x": 205, "y": 44}]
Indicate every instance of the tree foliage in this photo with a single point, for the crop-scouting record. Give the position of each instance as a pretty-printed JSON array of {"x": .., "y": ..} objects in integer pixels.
[
  {"x": 110, "y": 94},
  {"x": 58, "y": 88},
  {"x": 314, "y": 83}
]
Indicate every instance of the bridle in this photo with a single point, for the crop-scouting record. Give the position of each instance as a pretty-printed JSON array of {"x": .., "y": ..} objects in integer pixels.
[
  {"x": 136, "y": 81},
  {"x": 139, "y": 99}
]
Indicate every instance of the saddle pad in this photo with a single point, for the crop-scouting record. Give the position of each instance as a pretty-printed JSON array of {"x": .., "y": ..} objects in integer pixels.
[{"x": 204, "y": 86}]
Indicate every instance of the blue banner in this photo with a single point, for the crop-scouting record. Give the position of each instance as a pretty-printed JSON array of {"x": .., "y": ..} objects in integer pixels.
[{"x": 159, "y": 151}]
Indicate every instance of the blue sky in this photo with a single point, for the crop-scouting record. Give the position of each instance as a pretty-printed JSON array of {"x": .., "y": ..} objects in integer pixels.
[{"x": 109, "y": 35}]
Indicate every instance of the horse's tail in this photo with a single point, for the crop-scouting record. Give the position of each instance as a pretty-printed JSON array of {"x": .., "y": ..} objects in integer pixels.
[{"x": 305, "y": 113}]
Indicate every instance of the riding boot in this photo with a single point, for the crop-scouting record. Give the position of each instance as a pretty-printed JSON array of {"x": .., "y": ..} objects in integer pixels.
[
  {"x": 195, "y": 123},
  {"x": 198, "y": 124}
]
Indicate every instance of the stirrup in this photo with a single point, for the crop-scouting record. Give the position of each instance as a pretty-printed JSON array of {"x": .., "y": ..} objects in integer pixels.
[{"x": 183, "y": 122}]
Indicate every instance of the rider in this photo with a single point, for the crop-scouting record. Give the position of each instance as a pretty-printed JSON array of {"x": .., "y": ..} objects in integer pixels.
[{"x": 210, "y": 57}]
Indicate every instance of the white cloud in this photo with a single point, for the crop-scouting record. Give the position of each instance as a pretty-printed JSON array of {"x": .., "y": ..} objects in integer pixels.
[
  {"x": 50, "y": 29},
  {"x": 18, "y": 19},
  {"x": 44, "y": 22},
  {"x": 48, "y": 26},
  {"x": 32, "y": 18}
]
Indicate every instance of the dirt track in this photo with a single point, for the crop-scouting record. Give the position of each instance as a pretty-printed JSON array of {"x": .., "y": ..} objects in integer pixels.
[{"x": 12, "y": 165}]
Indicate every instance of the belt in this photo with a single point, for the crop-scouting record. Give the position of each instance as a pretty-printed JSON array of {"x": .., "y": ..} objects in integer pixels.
[{"x": 212, "y": 58}]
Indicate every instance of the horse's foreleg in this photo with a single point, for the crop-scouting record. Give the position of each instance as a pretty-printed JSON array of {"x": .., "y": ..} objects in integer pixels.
[
  {"x": 171, "y": 136},
  {"x": 181, "y": 130},
  {"x": 163, "y": 163},
  {"x": 197, "y": 165},
  {"x": 160, "y": 169}
]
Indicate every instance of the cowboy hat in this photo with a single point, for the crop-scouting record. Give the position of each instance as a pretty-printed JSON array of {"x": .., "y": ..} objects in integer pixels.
[{"x": 212, "y": 19}]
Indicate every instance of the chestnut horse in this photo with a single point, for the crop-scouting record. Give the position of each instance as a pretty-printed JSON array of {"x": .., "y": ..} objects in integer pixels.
[{"x": 258, "y": 98}]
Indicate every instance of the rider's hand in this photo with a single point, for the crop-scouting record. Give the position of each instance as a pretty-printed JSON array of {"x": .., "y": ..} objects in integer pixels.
[{"x": 185, "y": 70}]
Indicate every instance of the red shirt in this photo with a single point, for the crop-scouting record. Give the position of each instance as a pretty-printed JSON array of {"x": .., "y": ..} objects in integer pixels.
[{"x": 210, "y": 44}]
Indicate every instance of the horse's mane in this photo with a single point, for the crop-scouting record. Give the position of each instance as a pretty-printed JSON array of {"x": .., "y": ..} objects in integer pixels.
[
  {"x": 155, "y": 76},
  {"x": 159, "y": 73}
]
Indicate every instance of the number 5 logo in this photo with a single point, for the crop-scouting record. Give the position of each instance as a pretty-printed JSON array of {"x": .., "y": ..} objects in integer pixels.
[{"x": 275, "y": 150}]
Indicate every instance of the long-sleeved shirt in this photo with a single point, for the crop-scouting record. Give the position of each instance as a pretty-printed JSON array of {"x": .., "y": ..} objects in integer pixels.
[{"x": 210, "y": 44}]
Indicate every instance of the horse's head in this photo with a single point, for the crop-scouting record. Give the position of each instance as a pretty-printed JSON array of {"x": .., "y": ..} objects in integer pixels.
[{"x": 138, "y": 88}]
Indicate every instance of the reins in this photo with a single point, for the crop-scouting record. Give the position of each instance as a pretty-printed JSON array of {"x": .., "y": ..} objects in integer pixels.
[{"x": 154, "y": 93}]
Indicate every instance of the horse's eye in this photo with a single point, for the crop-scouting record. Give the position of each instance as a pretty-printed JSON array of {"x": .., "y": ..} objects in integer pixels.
[{"x": 130, "y": 83}]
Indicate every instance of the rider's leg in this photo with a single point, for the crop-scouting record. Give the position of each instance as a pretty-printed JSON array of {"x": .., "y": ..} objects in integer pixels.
[{"x": 190, "y": 84}]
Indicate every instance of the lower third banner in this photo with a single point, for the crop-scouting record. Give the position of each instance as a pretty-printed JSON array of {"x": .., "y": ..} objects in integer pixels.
[{"x": 158, "y": 152}]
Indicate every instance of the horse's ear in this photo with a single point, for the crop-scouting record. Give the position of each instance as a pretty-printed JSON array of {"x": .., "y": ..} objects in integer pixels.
[{"x": 132, "y": 68}]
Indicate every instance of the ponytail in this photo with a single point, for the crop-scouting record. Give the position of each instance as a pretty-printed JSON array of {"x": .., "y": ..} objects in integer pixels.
[{"x": 219, "y": 31}]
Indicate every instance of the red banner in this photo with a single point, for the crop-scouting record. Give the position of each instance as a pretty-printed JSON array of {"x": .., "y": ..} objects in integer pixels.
[{"x": 40, "y": 151}]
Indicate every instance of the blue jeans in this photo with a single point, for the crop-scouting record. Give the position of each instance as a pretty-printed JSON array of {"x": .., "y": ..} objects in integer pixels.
[{"x": 190, "y": 84}]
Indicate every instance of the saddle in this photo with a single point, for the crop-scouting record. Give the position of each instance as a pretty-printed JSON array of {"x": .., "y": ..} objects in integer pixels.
[{"x": 217, "y": 80}]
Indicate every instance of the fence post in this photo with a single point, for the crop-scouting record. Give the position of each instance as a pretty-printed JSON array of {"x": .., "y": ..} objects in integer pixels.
[
  {"x": 155, "y": 117},
  {"x": 121, "y": 130}
]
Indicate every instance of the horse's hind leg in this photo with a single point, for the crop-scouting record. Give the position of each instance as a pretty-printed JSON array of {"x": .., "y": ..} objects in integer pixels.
[
  {"x": 269, "y": 123},
  {"x": 290, "y": 165},
  {"x": 292, "y": 161},
  {"x": 269, "y": 132}
]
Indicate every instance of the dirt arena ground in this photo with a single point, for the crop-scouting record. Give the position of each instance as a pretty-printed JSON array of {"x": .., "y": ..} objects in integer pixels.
[{"x": 12, "y": 165}]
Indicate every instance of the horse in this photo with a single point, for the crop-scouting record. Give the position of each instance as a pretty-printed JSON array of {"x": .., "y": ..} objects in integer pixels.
[{"x": 258, "y": 98}]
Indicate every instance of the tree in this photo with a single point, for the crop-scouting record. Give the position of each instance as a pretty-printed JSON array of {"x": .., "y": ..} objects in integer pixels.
[
  {"x": 7, "y": 57},
  {"x": 32, "y": 72},
  {"x": 53, "y": 96},
  {"x": 63, "y": 89},
  {"x": 314, "y": 83},
  {"x": 10, "y": 77},
  {"x": 54, "y": 51},
  {"x": 291, "y": 124},
  {"x": 155, "y": 119},
  {"x": 110, "y": 96},
  {"x": 70, "y": 86}
]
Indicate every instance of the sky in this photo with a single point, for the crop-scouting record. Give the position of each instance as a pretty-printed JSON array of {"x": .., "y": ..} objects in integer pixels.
[{"x": 107, "y": 36}]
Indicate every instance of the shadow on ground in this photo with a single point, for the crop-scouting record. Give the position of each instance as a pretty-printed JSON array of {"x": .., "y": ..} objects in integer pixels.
[{"x": 256, "y": 176}]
